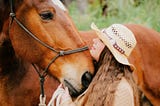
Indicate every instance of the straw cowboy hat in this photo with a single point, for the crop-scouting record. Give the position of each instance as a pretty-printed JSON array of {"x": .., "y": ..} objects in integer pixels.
[{"x": 119, "y": 40}]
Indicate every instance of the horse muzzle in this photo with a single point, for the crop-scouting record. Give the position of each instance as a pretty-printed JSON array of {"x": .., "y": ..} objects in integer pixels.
[{"x": 85, "y": 81}]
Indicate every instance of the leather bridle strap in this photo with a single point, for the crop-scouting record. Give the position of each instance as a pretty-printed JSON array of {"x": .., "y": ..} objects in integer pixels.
[
  {"x": 13, "y": 16},
  {"x": 59, "y": 53}
]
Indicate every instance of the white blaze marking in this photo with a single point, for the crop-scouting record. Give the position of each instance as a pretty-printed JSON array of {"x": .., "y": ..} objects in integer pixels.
[{"x": 59, "y": 4}]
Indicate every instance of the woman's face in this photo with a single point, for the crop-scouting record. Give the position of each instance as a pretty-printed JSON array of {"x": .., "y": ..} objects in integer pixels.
[{"x": 97, "y": 48}]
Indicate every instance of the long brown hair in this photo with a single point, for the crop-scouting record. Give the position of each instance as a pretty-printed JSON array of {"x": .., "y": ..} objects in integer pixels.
[{"x": 102, "y": 89}]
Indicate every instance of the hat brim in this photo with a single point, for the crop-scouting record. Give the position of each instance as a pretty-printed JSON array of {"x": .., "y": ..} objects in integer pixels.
[{"x": 121, "y": 58}]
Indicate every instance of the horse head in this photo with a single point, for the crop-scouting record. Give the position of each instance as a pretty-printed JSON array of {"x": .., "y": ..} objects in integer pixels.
[{"x": 55, "y": 35}]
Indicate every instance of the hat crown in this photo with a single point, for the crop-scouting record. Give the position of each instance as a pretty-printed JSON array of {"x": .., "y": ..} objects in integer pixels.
[{"x": 121, "y": 38}]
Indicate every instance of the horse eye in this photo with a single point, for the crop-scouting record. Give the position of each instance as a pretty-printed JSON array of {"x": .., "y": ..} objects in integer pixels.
[{"x": 47, "y": 15}]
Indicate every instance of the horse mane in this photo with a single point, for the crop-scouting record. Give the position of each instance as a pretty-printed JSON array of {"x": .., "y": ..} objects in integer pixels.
[
  {"x": 5, "y": 10},
  {"x": 10, "y": 64},
  {"x": 103, "y": 86},
  {"x": 11, "y": 67},
  {"x": 6, "y": 49}
]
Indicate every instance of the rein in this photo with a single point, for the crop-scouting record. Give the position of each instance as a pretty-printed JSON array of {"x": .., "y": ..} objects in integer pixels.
[{"x": 59, "y": 53}]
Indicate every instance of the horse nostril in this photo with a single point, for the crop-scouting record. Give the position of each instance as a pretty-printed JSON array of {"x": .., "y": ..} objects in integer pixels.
[{"x": 86, "y": 79}]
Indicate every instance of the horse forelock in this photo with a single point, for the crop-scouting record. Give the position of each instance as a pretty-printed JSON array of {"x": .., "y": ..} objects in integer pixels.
[{"x": 59, "y": 4}]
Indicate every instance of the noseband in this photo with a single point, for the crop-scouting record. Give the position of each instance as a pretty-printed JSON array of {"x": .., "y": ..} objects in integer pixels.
[{"x": 59, "y": 53}]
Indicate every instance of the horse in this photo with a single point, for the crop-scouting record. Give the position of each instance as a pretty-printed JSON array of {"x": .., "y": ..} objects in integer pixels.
[
  {"x": 38, "y": 40},
  {"x": 145, "y": 57},
  {"x": 46, "y": 19}
]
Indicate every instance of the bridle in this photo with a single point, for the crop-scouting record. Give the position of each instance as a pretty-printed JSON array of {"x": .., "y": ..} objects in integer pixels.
[{"x": 59, "y": 53}]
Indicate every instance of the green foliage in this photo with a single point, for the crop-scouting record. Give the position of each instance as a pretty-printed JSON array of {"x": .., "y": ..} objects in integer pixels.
[{"x": 145, "y": 12}]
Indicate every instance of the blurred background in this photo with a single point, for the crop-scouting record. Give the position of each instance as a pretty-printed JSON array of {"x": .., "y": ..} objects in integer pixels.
[{"x": 106, "y": 12}]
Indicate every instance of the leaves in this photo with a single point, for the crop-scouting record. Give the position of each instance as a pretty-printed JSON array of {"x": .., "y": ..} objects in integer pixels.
[{"x": 145, "y": 12}]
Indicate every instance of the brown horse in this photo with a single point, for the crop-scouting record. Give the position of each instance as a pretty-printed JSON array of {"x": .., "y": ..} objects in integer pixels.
[
  {"x": 145, "y": 57},
  {"x": 39, "y": 32}
]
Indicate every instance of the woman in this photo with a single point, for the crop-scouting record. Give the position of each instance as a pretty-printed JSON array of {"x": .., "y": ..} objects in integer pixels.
[{"x": 118, "y": 41}]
